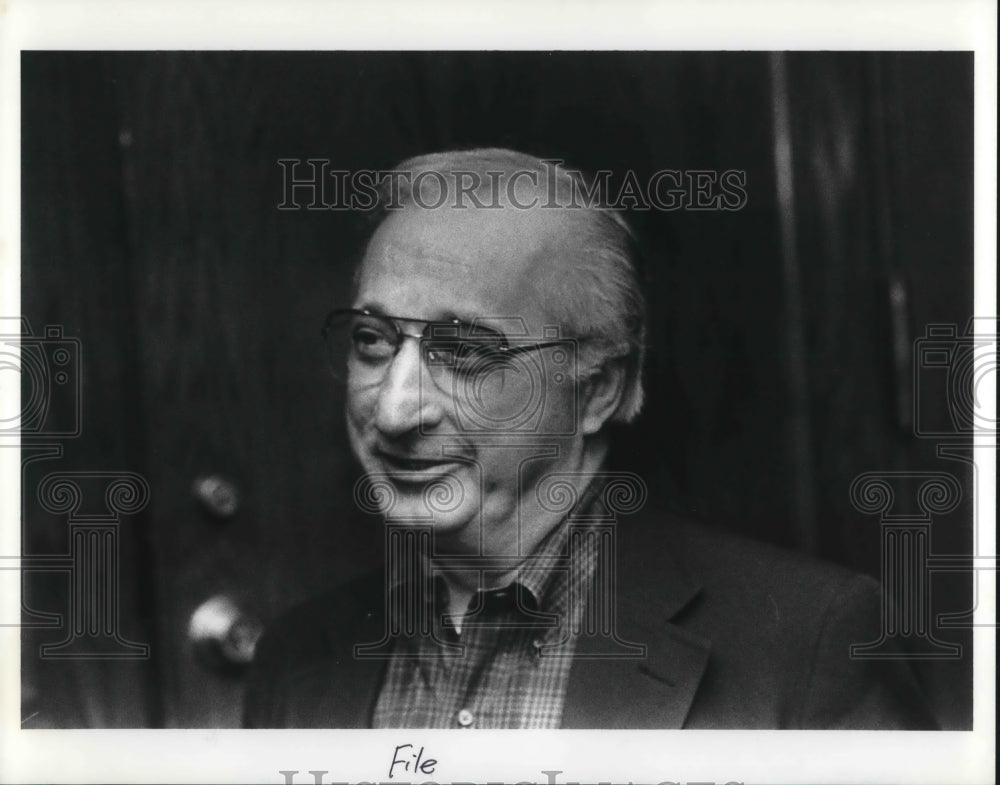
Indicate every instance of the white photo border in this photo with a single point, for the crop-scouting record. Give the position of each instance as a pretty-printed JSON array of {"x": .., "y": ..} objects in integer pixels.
[{"x": 502, "y": 756}]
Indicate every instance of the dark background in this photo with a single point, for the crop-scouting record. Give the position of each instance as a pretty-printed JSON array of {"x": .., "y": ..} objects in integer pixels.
[{"x": 779, "y": 370}]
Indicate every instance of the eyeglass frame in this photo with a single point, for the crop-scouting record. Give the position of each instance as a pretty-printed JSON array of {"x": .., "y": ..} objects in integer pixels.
[{"x": 504, "y": 347}]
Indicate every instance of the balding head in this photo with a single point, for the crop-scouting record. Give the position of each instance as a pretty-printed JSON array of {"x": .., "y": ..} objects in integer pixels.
[{"x": 582, "y": 262}]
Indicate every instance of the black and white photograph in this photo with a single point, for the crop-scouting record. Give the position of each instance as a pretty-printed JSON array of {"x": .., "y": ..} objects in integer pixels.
[{"x": 427, "y": 391}]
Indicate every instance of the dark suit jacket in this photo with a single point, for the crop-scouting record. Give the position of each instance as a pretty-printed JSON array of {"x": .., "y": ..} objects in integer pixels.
[{"x": 738, "y": 635}]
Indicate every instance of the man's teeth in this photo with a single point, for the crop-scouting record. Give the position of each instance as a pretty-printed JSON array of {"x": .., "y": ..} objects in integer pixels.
[{"x": 416, "y": 464}]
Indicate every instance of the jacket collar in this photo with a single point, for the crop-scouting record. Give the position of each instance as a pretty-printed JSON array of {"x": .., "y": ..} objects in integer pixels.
[{"x": 648, "y": 676}]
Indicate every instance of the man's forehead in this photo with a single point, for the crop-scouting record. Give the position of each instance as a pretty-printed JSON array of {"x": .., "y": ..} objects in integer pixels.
[
  {"x": 504, "y": 244},
  {"x": 414, "y": 257},
  {"x": 408, "y": 279}
]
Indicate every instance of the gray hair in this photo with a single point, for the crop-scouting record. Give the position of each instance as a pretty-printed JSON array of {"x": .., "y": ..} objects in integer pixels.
[{"x": 601, "y": 305}]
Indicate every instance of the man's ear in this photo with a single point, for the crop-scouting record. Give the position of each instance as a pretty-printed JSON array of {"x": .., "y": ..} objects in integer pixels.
[{"x": 601, "y": 391}]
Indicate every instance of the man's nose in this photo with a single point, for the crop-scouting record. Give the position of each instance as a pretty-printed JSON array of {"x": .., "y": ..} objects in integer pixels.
[{"x": 407, "y": 398}]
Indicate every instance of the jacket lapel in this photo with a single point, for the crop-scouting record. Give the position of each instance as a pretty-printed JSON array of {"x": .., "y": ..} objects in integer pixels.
[
  {"x": 340, "y": 691},
  {"x": 651, "y": 691}
]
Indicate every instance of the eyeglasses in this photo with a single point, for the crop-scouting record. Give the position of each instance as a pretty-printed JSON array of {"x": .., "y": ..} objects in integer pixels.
[{"x": 362, "y": 345}]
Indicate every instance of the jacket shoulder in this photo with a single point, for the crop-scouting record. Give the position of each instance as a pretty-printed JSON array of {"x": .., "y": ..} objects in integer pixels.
[
  {"x": 735, "y": 569},
  {"x": 781, "y": 626}
]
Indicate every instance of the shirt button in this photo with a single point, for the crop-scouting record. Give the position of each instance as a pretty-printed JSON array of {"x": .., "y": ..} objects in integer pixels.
[{"x": 465, "y": 718}]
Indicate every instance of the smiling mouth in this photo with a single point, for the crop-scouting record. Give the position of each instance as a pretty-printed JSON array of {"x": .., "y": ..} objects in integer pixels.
[{"x": 417, "y": 469}]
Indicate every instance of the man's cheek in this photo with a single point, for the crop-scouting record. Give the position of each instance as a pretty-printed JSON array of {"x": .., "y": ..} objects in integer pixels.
[
  {"x": 359, "y": 416},
  {"x": 360, "y": 409}
]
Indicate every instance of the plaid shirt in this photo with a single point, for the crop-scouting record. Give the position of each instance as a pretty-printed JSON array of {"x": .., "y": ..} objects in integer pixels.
[{"x": 517, "y": 649}]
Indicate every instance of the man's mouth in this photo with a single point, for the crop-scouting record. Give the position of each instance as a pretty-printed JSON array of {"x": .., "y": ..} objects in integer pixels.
[{"x": 416, "y": 467}]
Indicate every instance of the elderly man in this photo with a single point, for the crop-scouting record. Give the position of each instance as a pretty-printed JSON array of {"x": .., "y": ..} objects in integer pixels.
[{"x": 496, "y": 332}]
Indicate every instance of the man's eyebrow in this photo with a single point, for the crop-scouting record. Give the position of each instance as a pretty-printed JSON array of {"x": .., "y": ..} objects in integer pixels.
[
  {"x": 475, "y": 325},
  {"x": 446, "y": 317},
  {"x": 452, "y": 316},
  {"x": 479, "y": 325},
  {"x": 374, "y": 308}
]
